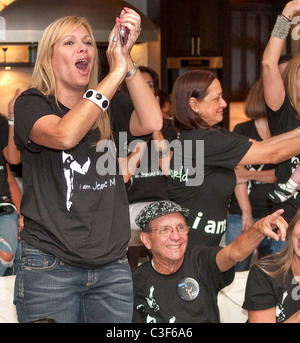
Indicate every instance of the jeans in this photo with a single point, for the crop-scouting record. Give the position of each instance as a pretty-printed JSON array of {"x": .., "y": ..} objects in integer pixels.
[
  {"x": 8, "y": 238},
  {"x": 49, "y": 288}
]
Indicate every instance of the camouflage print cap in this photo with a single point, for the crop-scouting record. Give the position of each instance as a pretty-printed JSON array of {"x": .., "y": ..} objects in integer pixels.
[{"x": 157, "y": 209}]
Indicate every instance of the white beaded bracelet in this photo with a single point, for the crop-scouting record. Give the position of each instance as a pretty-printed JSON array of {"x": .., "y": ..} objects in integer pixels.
[{"x": 97, "y": 98}]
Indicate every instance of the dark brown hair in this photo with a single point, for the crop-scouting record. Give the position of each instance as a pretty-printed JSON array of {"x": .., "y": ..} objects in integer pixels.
[{"x": 194, "y": 84}]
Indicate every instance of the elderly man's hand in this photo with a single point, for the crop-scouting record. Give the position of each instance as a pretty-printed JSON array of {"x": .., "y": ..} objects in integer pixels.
[{"x": 273, "y": 226}]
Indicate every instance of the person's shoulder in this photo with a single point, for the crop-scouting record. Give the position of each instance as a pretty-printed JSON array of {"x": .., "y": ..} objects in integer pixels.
[
  {"x": 194, "y": 134},
  {"x": 243, "y": 125},
  {"x": 30, "y": 92},
  {"x": 142, "y": 269}
]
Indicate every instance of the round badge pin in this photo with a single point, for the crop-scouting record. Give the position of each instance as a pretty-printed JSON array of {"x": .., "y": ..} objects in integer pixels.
[{"x": 188, "y": 289}]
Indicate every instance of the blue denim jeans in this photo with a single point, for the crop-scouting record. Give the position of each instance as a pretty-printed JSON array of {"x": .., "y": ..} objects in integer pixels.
[
  {"x": 49, "y": 288},
  {"x": 8, "y": 238}
]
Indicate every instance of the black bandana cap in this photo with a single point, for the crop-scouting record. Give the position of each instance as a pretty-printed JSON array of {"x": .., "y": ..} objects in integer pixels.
[{"x": 157, "y": 209}]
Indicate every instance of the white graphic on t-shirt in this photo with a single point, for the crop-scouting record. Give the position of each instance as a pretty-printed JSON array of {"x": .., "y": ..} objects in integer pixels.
[
  {"x": 71, "y": 166},
  {"x": 294, "y": 165},
  {"x": 211, "y": 226},
  {"x": 151, "y": 301},
  {"x": 152, "y": 304},
  {"x": 280, "y": 315},
  {"x": 251, "y": 182}
]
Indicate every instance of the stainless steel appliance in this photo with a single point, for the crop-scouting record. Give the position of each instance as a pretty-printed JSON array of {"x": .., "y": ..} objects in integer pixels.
[{"x": 179, "y": 65}]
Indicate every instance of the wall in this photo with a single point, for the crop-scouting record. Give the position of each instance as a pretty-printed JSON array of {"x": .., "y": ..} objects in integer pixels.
[
  {"x": 10, "y": 81},
  {"x": 147, "y": 54}
]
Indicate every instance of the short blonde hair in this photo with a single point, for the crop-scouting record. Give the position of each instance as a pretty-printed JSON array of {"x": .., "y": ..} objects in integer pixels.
[{"x": 43, "y": 76}]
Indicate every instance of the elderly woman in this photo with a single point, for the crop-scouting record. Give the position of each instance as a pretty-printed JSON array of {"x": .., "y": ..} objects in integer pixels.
[
  {"x": 76, "y": 230},
  {"x": 203, "y": 179}
]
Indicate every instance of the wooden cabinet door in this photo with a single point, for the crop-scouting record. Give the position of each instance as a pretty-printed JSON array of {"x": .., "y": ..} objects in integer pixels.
[{"x": 193, "y": 27}]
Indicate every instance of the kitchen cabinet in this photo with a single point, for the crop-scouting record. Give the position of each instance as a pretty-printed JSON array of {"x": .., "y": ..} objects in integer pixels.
[
  {"x": 251, "y": 26},
  {"x": 195, "y": 28},
  {"x": 192, "y": 28}
]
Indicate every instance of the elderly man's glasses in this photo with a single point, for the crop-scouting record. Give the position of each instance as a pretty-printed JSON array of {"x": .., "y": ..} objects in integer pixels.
[{"x": 168, "y": 230}]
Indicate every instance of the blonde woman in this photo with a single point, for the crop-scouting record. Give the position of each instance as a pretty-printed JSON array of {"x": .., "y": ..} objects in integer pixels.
[
  {"x": 76, "y": 230},
  {"x": 272, "y": 292}
]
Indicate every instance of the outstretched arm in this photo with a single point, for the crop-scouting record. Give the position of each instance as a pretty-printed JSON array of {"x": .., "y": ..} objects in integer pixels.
[{"x": 245, "y": 243}]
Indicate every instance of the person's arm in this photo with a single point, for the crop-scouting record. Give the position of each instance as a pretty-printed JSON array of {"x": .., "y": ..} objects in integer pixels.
[
  {"x": 146, "y": 116},
  {"x": 262, "y": 316},
  {"x": 272, "y": 153},
  {"x": 244, "y": 175},
  {"x": 10, "y": 152},
  {"x": 278, "y": 138},
  {"x": 244, "y": 244},
  {"x": 64, "y": 133},
  {"x": 242, "y": 198},
  {"x": 165, "y": 154},
  {"x": 269, "y": 316},
  {"x": 274, "y": 91},
  {"x": 130, "y": 163}
]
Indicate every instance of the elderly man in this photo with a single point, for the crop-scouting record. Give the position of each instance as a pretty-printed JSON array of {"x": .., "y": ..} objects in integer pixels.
[{"x": 180, "y": 284}]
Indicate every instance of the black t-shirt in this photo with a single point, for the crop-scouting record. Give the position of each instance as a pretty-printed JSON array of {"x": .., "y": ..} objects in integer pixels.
[
  {"x": 173, "y": 298},
  {"x": 264, "y": 292},
  {"x": 149, "y": 183},
  {"x": 258, "y": 192},
  {"x": 4, "y": 186},
  {"x": 70, "y": 209},
  {"x": 280, "y": 121},
  {"x": 121, "y": 108},
  {"x": 120, "y": 111},
  {"x": 207, "y": 201}
]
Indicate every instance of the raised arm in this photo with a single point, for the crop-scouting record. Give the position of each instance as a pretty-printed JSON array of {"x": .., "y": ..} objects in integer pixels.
[
  {"x": 245, "y": 243},
  {"x": 147, "y": 116},
  {"x": 64, "y": 133},
  {"x": 272, "y": 81}
]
